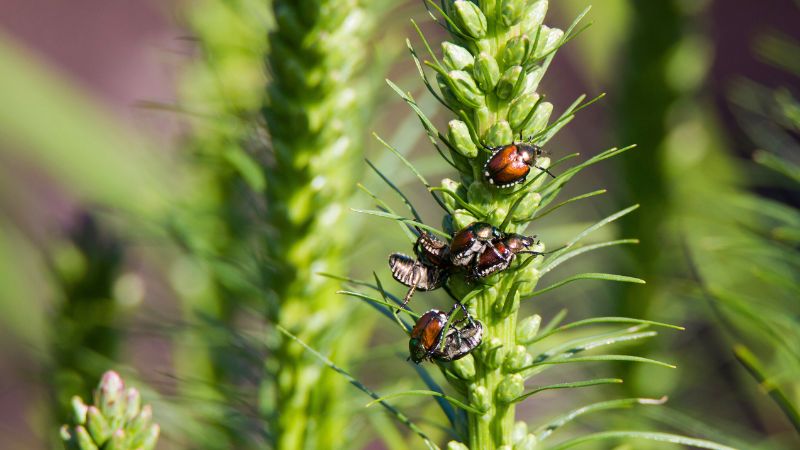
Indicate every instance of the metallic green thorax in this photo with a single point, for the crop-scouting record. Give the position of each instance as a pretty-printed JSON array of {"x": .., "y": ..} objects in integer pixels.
[{"x": 316, "y": 113}]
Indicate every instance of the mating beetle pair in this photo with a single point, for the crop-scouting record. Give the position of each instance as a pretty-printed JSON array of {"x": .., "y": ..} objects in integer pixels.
[
  {"x": 480, "y": 249},
  {"x": 510, "y": 164},
  {"x": 432, "y": 339}
]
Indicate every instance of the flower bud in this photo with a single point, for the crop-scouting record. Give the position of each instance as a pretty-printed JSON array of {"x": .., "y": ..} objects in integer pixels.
[
  {"x": 533, "y": 18},
  {"x": 78, "y": 410},
  {"x": 456, "y": 57},
  {"x": 507, "y": 305},
  {"x": 528, "y": 443},
  {"x": 117, "y": 441},
  {"x": 519, "y": 431},
  {"x": 482, "y": 118},
  {"x": 529, "y": 203},
  {"x": 486, "y": 71},
  {"x": 533, "y": 79},
  {"x": 447, "y": 92},
  {"x": 84, "y": 439},
  {"x": 141, "y": 422},
  {"x": 511, "y": 11},
  {"x": 548, "y": 41},
  {"x": 465, "y": 89},
  {"x": 454, "y": 445},
  {"x": 134, "y": 404},
  {"x": 450, "y": 186},
  {"x": 479, "y": 397},
  {"x": 510, "y": 82},
  {"x": 470, "y": 19},
  {"x": 528, "y": 328},
  {"x": 499, "y": 134},
  {"x": 459, "y": 137},
  {"x": 521, "y": 110},
  {"x": 465, "y": 367},
  {"x": 97, "y": 425},
  {"x": 478, "y": 193},
  {"x": 462, "y": 218},
  {"x": 511, "y": 387},
  {"x": 150, "y": 439},
  {"x": 518, "y": 50},
  {"x": 110, "y": 393},
  {"x": 540, "y": 118},
  {"x": 495, "y": 353},
  {"x": 515, "y": 359},
  {"x": 64, "y": 433}
]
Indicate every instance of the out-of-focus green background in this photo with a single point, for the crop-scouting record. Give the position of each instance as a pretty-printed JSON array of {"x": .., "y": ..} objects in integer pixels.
[{"x": 110, "y": 113}]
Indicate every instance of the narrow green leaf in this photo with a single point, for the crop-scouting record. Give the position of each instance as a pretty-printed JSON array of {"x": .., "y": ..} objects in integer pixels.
[
  {"x": 564, "y": 203},
  {"x": 396, "y": 190},
  {"x": 413, "y": 170},
  {"x": 402, "y": 219},
  {"x": 598, "y": 320},
  {"x": 778, "y": 164},
  {"x": 601, "y": 224},
  {"x": 661, "y": 437},
  {"x": 545, "y": 431},
  {"x": 360, "y": 386},
  {"x": 588, "y": 276},
  {"x": 602, "y": 358},
  {"x": 750, "y": 362},
  {"x": 463, "y": 204},
  {"x": 427, "y": 393},
  {"x": 574, "y": 384},
  {"x": 551, "y": 189},
  {"x": 389, "y": 210},
  {"x": 552, "y": 263}
]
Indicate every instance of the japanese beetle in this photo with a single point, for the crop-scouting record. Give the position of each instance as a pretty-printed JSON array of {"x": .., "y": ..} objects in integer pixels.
[
  {"x": 429, "y": 331},
  {"x": 471, "y": 241},
  {"x": 498, "y": 257},
  {"x": 510, "y": 164},
  {"x": 416, "y": 274},
  {"x": 426, "y": 273},
  {"x": 432, "y": 250}
]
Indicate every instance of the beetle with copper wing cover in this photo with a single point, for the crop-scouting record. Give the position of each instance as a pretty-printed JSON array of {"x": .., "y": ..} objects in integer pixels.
[
  {"x": 510, "y": 164},
  {"x": 431, "y": 339}
]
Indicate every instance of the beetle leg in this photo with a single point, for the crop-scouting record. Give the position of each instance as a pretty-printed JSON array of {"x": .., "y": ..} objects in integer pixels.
[
  {"x": 412, "y": 288},
  {"x": 545, "y": 171}
]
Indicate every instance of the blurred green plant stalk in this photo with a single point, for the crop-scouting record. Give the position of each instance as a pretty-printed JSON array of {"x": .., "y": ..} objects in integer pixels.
[
  {"x": 317, "y": 109},
  {"x": 85, "y": 339},
  {"x": 215, "y": 270},
  {"x": 116, "y": 420}
]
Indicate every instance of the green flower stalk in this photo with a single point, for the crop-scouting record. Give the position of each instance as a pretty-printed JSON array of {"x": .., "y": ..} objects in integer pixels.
[
  {"x": 115, "y": 421},
  {"x": 316, "y": 115},
  {"x": 488, "y": 77}
]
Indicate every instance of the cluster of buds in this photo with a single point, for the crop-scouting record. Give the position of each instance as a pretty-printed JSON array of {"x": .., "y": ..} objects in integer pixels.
[
  {"x": 116, "y": 421},
  {"x": 485, "y": 80}
]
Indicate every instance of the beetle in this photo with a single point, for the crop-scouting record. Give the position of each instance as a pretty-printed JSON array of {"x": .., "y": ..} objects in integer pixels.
[
  {"x": 428, "y": 271},
  {"x": 429, "y": 332},
  {"x": 498, "y": 257},
  {"x": 511, "y": 163},
  {"x": 471, "y": 241}
]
